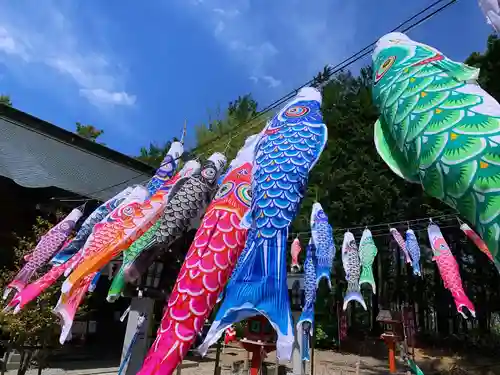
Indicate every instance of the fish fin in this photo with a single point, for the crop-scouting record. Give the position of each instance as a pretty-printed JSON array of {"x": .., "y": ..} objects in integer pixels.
[
  {"x": 117, "y": 285},
  {"x": 68, "y": 305},
  {"x": 93, "y": 284},
  {"x": 459, "y": 71},
  {"x": 324, "y": 274},
  {"x": 246, "y": 220},
  {"x": 416, "y": 269},
  {"x": 368, "y": 278},
  {"x": 169, "y": 349},
  {"x": 221, "y": 297},
  {"x": 265, "y": 293},
  {"x": 20, "y": 281},
  {"x": 390, "y": 154},
  {"x": 461, "y": 301},
  {"x": 307, "y": 316},
  {"x": 353, "y": 293},
  {"x": 413, "y": 367},
  {"x": 354, "y": 296}
]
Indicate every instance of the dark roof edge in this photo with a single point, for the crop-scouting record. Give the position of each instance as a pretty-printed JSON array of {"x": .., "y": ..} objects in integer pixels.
[{"x": 74, "y": 139}]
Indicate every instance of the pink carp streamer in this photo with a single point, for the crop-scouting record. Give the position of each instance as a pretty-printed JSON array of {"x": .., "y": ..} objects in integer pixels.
[
  {"x": 48, "y": 245},
  {"x": 478, "y": 241},
  {"x": 294, "y": 252},
  {"x": 448, "y": 268},
  {"x": 34, "y": 289},
  {"x": 208, "y": 265}
]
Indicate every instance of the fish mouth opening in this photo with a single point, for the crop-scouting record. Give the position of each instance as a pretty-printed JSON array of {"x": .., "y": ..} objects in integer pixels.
[
  {"x": 315, "y": 209},
  {"x": 463, "y": 310}
]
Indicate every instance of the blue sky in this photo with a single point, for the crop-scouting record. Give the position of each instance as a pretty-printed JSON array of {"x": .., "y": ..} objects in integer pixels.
[{"x": 139, "y": 69}]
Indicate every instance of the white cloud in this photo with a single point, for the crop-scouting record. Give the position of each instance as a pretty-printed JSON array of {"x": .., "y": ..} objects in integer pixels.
[
  {"x": 101, "y": 96},
  {"x": 276, "y": 41},
  {"x": 48, "y": 40}
]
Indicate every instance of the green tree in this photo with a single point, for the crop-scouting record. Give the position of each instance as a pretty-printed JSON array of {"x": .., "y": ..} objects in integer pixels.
[
  {"x": 88, "y": 131},
  {"x": 5, "y": 100},
  {"x": 489, "y": 64},
  {"x": 153, "y": 155},
  {"x": 35, "y": 324}
]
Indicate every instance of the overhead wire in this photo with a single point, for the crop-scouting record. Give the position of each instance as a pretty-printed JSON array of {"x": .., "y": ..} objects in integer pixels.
[
  {"x": 384, "y": 227},
  {"x": 333, "y": 70}
]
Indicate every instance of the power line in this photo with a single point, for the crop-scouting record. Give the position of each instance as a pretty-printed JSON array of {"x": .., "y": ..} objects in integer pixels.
[
  {"x": 333, "y": 70},
  {"x": 392, "y": 224},
  {"x": 337, "y": 68}
]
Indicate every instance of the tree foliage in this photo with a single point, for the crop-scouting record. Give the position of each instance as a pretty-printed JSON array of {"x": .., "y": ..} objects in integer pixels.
[
  {"x": 89, "y": 132},
  {"x": 356, "y": 188},
  {"x": 5, "y": 100},
  {"x": 36, "y": 324}
]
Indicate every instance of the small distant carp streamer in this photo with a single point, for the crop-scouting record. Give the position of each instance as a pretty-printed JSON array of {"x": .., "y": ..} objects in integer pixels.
[
  {"x": 352, "y": 268},
  {"x": 305, "y": 325},
  {"x": 367, "y": 253},
  {"x": 322, "y": 237},
  {"x": 448, "y": 268}
]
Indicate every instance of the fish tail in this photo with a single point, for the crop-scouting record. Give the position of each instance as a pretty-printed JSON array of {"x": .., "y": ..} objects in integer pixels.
[
  {"x": 165, "y": 362},
  {"x": 461, "y": 301},
  {"x": 323, "y": 273},
  {"x": 260, "y": 289},
  {"x": 85, "y": 267},
  {"x": 117, "y": 285},
  {"x": 93, "y": 284},
  {"x": 34, "y": 289},
  {"x": 20, "y": 281},
  {"x": 368, "y": 278},
  {"x": 134, "y": 270},
  {"x": 68, "y": 305},
  {"x": 416, "y": 268},
  {"x": 199, "y": 290},
  {"x": 307, "y": 316},
  {"x": 353, "y": 293}
]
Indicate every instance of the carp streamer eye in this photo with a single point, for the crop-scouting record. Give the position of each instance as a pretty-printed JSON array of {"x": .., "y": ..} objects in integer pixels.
[
  {"x": 384, "y": 68},
  {"x": 224, "y": 190},
  {"x": 244, "y": 194},
  {"x": 209, "y": 173},
  {"x": 128, "y": 211},
  {"x": 296, "y": 111}
]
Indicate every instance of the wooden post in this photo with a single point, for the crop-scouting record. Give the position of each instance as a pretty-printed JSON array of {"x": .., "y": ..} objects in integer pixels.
[
  {"x": 217, "y": 358},
  {"x": 312, "y": 341}
]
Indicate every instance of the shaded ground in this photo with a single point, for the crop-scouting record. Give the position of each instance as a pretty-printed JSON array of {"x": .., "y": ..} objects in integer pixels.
[{"x": 431, "y": 361}]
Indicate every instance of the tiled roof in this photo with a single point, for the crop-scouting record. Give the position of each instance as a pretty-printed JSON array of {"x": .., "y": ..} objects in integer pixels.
[{"x": 35, "y": 154}]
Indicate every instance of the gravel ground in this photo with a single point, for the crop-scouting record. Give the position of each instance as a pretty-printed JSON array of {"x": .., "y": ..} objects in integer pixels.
[{"x": 326, "y": 363}]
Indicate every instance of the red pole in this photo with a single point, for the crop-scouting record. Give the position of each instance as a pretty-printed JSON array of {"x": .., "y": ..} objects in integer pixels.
[
  {"x": 256, "y": 362},
  {"x": 392, "y": 356}
]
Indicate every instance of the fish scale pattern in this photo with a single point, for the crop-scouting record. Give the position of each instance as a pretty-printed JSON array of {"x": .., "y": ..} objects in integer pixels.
[
  {"x": 290, "y": 147},
  {"x": 441, "y": 129},
  {"x": 44, "y": 250},
  {"x": 204, "y": 273},
  {"x": 88, "y": 225},
  {"x": 185, "y": 205},
  {"x": 322, "y": 234}
]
